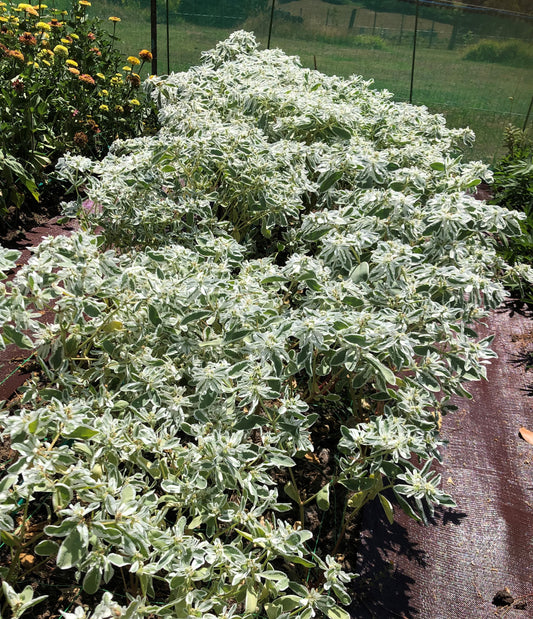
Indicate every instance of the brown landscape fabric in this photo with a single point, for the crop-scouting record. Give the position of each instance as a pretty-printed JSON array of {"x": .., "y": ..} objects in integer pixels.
[{"x": 454, "y": 567}]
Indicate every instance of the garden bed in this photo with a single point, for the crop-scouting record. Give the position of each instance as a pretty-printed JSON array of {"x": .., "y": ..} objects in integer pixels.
[{"x": 267, "y": 312}]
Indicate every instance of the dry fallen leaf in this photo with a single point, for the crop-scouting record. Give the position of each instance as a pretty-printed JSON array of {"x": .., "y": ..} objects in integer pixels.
[
  {"x": 527, "y": 435},
  {"x": 26, "y": 560}
]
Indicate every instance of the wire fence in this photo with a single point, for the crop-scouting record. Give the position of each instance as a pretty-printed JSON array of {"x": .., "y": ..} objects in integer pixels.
[{"x": 472, "y": 63}]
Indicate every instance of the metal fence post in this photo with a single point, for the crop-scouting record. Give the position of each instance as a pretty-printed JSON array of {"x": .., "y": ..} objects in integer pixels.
[
  {"x": 168, "y": 43},
  {"x": 414, "y": 54},
  {"x": 528, "y": 113},
  {"x": 153, "y": 29},
  {"x": 271, "y": 22}
]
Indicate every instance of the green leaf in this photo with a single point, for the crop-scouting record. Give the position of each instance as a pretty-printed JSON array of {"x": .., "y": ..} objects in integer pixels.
[
  {"x": 387, "y": 508},
  {"x": 299, "y": 560},
  {"x": 360, "y": 273},
  {"x": 341, "y": 132},
  {"x": 322, "y": 498},
  {"x": 281, "y": 460},
  {"x": 406, "y": 507},
  {"x": 153, "y": 315},
  {"x": 92, "y": 580},
  {"x": 353, "y": 301},
  {"x": 291, "y": 491},
  {"x": 385, "y": 372},
  {"x": 328, "y": 179},
  {"x": 437, "y": 165},
  {"x": 236, "y": 334},
  {"x": 18, "y": 338},
  {"x": 83, "y": 432},
  {"x": 61, "y": 496},
  {"x": 250, "y": 421},
  {"x": 336, "y": 612},
  {"x": 73, "y": 549},
  {"x": 10, "y": 540},
  {"x": 196, "y": 316},
  {"x": 46, "y": 548},
  {"x": 354, "y": 338},
  {"x": 250, "y": 601}
]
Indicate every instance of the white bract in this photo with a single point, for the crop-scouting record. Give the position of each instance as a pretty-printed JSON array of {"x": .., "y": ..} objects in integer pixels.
[{"x": 290, "y": 249}]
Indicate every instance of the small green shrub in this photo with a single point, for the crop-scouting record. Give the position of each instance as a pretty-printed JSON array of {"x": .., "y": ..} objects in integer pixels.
[
  {"x": 515, "y": 53},
  {"x": 513, "y": 188},
  {"x": 63, "y": 87}
]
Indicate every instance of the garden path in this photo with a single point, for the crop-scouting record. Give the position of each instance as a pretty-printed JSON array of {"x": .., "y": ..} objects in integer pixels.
[{"x": 455, "y": 567}]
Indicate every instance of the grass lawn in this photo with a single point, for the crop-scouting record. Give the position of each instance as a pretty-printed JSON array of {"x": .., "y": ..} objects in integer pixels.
[{"x": 481, "y": 95}]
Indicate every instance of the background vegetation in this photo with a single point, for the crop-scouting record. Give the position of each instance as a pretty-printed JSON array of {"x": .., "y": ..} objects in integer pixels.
[{"x": 485, "y": 95}]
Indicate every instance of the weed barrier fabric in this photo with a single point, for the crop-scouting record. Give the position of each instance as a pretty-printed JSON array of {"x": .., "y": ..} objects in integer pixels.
[{"x": 454, "y": 567}]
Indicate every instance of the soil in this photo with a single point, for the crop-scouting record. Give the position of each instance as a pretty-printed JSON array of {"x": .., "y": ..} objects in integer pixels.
[{"x": 17, "y": 222}]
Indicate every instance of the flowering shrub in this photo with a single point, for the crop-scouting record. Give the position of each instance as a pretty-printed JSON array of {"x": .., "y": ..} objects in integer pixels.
[
  {"x": 63, "y": 86},
  {"x": 292, "y": 252}
]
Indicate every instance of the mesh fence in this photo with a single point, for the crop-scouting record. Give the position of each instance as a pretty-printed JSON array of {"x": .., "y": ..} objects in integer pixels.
[{"x": 471, "y": 62}]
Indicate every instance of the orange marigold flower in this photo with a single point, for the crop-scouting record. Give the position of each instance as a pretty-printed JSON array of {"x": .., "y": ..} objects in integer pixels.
[
  {"x": 96, "y": 51},
  {"x": 14, "y": 53},
  {"x": 31, "y": 11},
  {"x": 27, "y": 38},
  {"x": 91, "y": 36},
  {"x": 144, "y": 54},
  {"x": 87, "y": 79},
  {"x": 74, "y": 71},
  {"x": 55, "y": 23},
  {"x": 116, "y": 19}
]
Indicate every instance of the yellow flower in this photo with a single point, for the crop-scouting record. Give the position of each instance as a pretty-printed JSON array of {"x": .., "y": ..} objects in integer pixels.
[
  {"x": 84, "y": 3},
  {"x": 104, "y": 108},
  {"x": 61, "y": 50},
  {"x": 119, "y": 108},
  {"x": 72, "y": 63},
  {"x": 133, "y": 60},
  {"x": 126, "y": 68},
  {"x": 66, "y": 41},
  {"x": 116, "y": 81},
  {"x": 104, "y": 92},
  {"x": 115, "y": 19},
  {"x": 43, "y": 26},
  {"x": 28, "y": 8},
  {"x": 101, "y": 76},
  {"x": 3, "y": 18},
  {"x": 74, "y": 36},
  {"x": 45, "y": 62},
  {"x": 32, "y": 64},
  {"x": 134, "y": 102}
]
